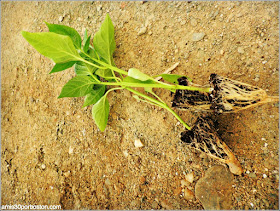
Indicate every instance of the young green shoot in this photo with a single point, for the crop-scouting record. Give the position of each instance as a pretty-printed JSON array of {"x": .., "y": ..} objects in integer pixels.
[{"x": 95, "y": 69}]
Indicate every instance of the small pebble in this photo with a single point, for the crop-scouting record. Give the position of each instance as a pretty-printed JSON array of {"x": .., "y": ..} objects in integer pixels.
[
  {"x": 67, "y": 173},
  {"x": 138, "y": 143},
  {"x": 60, "y": 19},
  {"x": 256, "y": 79},
  {"x": 188, "y": 194},
  {"x": 99, "y": 8},
  {"x": 142, "y": 31},
  {"x": 240, "y": 50},
  {"x": 197, "y": 36},
  {"x": 125, "y": 153},
  {"x": 189, "y": 177},
  {"x": 43, "y": 166},
  {"x": 264, "y": 176}
]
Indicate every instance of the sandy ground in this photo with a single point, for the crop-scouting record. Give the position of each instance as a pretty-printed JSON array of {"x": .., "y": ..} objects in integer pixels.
[{"x": 52, "y": 152}]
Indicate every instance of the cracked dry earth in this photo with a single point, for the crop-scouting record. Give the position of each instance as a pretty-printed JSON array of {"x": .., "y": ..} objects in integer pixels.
[{"x": 51, "y": 150}]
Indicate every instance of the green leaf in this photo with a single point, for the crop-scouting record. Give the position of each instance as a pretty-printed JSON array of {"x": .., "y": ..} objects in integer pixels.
[
  {"x": 129, "y": 79},
  {"x": 77, "y": 87},
  {"x": 66, "y": 30},
  {"x": 61, "y": 66},
  {"x": 104, "y": 73},
  {"x": 172, "y": 78},
  {"x": 92, "y": 53},
  {"x": 137, "y": 74},
  {"x": 86, "y": 45},
  {"x": 82, "y": 68},
  {"x": 96, "y": 93},
  {"x": 104, "y": 41},
  {"x": 100, "y": 113},
  {"x": 85, "y": 37},
  {"x": 57, "y": 47}
]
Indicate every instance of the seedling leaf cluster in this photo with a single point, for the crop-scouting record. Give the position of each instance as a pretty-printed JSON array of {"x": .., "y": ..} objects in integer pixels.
[{"x": 96, "y": 72}]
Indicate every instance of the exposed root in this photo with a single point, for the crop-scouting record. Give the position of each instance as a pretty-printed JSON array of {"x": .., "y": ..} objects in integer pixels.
[
  {"x": 187, "y": 99},
  {"x": 227, "y": 95},
  {"x": 204, "y": 138},
  {"x": 231, "y": 96}
]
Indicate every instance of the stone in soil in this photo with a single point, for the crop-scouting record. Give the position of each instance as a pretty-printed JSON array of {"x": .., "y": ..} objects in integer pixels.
[
  {"x": 143, "y": 30},
  {"x": 138, "y": 143},
  {"x": 214, "y": 190},
  {"x": 189, "y": 177},
  {"x": 197, "y": 36},
  {"x": 188, "y": 194}
]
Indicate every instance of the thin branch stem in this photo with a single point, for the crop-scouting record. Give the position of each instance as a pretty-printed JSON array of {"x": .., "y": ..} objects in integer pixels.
[
  {"x": 164, "y": 86},
  {"x": 105, "y": 65},
  {"x": 160, "y": 104},
  {"x": 113, "y": 89}
]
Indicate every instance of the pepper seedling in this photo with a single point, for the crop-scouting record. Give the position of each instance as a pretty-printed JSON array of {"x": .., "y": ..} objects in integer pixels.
[{"x": 95, "y": 69}]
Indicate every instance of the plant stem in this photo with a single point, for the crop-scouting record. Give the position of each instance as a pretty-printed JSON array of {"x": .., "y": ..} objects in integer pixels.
[
  {"x": 160, "y": 104},
  {"x": 112, "y": 90},
  {"x": 90, "y": 63},
  {"x": 164, "y": 86},
  {"x": 104, "y": 64},
  {"x": 159, "y": 85},
  {"x": 177, "y": 117},
  {"x": 148, "y": 99},
  {"x": 94, "y": 77}
]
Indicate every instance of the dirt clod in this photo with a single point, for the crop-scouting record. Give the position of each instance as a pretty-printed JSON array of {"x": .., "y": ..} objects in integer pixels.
[{"x": 215, "y": 190}]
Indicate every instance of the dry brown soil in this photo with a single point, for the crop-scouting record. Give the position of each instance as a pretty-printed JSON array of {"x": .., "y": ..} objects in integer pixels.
[{"x": 52, "y": 151}]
